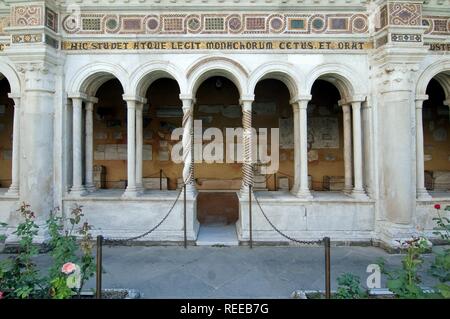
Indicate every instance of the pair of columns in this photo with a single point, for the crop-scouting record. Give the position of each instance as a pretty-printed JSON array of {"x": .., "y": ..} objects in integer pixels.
[
  {"x": 188, "y": 145},
  {"x": 420, "y": 160},
  {"x": 15, "y": 175},
  {"x": 352, "y": 162},
  {"x": 78, "y": 188},
  {"x": 134, "y": 145}
]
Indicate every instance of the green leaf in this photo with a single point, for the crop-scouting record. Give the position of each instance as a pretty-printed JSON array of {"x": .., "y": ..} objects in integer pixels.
[
  {"x": 394, "y": 284},
  {"x": 444, "y": 289}
]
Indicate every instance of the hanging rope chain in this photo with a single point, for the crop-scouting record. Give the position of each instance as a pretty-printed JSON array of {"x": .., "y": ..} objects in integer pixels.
[
  {"x": 307, "y": 242},
  {"x": 123, "y": 240}
]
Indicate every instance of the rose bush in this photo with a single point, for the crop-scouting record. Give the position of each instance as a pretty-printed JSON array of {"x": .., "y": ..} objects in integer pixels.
[{"x": 19, "y": 276}]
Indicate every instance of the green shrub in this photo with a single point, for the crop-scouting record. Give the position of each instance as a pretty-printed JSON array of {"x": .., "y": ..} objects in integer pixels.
[
  {"x": 440, "y": 267},
  {"x": 19, "y": 276},
  {"x": 349, "y": 287}
]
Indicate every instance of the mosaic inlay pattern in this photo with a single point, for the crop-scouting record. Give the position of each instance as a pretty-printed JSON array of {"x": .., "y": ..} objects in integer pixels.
[
  {"x": 27, "y": 16},
  {"x": 27, "y": 38},
  {"x": 212, "y": 23},
  {"x": 4, "y": 23},
  {"x": 405, "y": 14},
  {"x": 436, "y": 25},
  {"x": 51, "y": 19}
]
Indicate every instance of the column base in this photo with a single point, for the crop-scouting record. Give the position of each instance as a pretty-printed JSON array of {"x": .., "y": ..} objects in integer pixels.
[
  {"x": 392, "y": 235},
  {"x": 359, "y": 194},
  {"x": 78, "y": 191},
  {"x": 423, "y": 194},
  {"x": 191, "y": 191},
  {"x": 348, "y": 190},
  {"x": 140, "y": 188},
  {"x": 13, "y": 191},
  {"x": 130, "y": 192},
  {"x": 303, "y": 194},
  {"x": 294, "y": 190},
  {"x": 90, "y": 188}
]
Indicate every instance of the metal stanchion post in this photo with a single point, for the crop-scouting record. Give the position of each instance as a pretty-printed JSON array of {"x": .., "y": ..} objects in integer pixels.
[
  {"x": 160, "y": 179},
  {"x": 326, "y": 242},
  {"x": 250, "y": 214},
  {"x": 98, "y": 292},
  {"x": 185, "y": 234}
]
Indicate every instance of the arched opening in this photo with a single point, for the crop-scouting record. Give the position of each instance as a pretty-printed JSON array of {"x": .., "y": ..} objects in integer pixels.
[
  {"x": 436, "y": 137},
  {"x": 6, "y": 133},
  {"x": 325, "y": 138},
  {"x": 218, "y": 176},
  {"x": 161, "y": 115},
  {"x": 110, "y": 137},
  {"x": 272, "y": 110}
]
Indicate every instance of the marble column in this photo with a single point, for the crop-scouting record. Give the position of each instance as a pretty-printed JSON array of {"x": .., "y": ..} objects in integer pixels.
[
  {"x": 131, "y": 189},
  {"x": 420, "y": 170},
  {"x": 89, "y": 144},
  {"x": 348, "y": 158},
  {"x": 77, "y": 185},
  {"x": 358, "y": 190},
  {"x": 296, "y": 119},
  {"x": 247, "y": 161},
  {"x": 14, "y": 188},
  {"x": 139, "y": 146},
  {"x": 303, "y": 191},
  {"x": 188, "y": 145}
]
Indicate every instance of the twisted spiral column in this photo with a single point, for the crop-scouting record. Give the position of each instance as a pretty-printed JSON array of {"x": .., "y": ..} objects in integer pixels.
[
  {"x": 247, "y": 161},
  {"x": 188, "y": 146}
]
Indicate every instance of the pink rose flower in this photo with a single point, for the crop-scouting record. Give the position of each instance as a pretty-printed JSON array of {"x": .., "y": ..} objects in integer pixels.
[
  {"x": 1, "y": 294},
  {"x": 68, "y": 268}
]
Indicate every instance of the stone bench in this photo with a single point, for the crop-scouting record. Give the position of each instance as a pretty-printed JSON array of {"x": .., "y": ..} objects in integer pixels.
[
  {"x": 153, "y": 183},
  {"x": 333, "y": 183},
  {"x": 441, "y": 180}
]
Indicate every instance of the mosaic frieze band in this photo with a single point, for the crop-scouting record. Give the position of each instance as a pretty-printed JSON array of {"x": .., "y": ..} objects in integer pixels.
[{"x": 226, "y": 23}]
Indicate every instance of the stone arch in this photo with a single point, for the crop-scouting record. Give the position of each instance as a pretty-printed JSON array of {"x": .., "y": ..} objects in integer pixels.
[
  {"x": 216, "y": 66},
  {"x": 283, "y": 72},
  {"x": 440, "y": 70},
  {"x": 145, "y": 75},
  {"x": 11, "y": 75},
  {"x": 348, "y": 82},
  {"x": 90, "y": 77}
]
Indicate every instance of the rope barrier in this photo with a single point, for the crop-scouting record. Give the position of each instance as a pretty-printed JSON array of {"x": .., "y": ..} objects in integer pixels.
[
  {"x": 123, "y": 240},
  {"x": 283, "y": 234}
]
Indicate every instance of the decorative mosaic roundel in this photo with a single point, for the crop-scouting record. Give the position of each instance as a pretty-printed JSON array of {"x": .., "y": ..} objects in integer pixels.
[
  {"x": 318, "y": 23},
  {"x": 235, "y": 24},
  {"x": 359, "y": 24},
  {"x": 276, "y": 23},
  {"x": 70, "y": 24},
  {"x": 152, "y": 24},
  {"x": 111, "y": 23},
  {"x": 194, "y": 24}
]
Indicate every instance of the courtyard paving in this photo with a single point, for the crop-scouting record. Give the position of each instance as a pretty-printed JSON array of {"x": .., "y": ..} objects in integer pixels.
[{"x": 231, "y": 272}]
